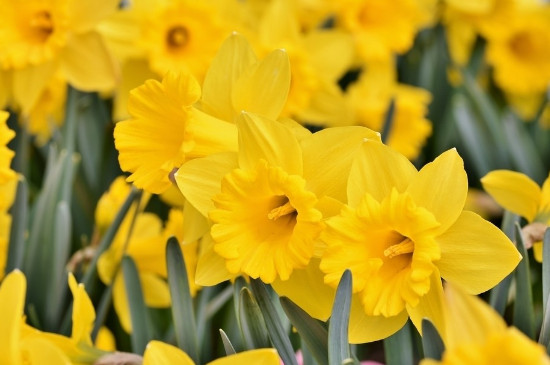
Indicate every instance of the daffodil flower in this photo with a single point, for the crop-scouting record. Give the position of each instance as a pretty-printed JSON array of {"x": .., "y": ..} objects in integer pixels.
[
  {"x": 267, "y": 202},
  {"x": 477, "y": 335},
  {"x": 159, "y": 353},
  {"x": 39, "y": 37},
  {"x": 519, "y": 194},
  {"x": 21, "y": 344},
  {"x": 403, "y": 230}
]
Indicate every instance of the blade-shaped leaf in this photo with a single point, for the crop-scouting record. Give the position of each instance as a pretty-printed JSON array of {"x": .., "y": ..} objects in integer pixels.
[
  {"x": 398, "y": 347},
  {"x": 252, "y": 322},
  {"x": 227, "y": 345},
  {"x": 141, "y": 330},
  {"x": 312, "y": 332},
  {"x": 524, "y": 318},
  {"x": 277, "y": 333},
  {"x": 431, "y": 341},
  {"x": 182, "y": 302},
  {"x": 338, "y": 345}
]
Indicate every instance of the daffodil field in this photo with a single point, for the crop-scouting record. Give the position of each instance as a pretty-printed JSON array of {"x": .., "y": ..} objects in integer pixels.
[{"x": 308, "y": 182}]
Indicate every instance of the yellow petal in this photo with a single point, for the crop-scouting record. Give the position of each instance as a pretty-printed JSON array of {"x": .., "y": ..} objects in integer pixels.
[
  {"x": 5, "y": 80},
  {"x": 195, "y": 225},
  {"x": 468, "y": 318},
  {"x": 105, "y": 340},
  {"x": 261, "y": 138},
  {"x": 159, "y": 353},
  {"x": 30, "y": 82},
  {"x": 441, "y": 187},
  {"x": 12, "y": 301},
  {"x": 234, "y": 56},
  {"x": 85, "y": 14},
  {"x": 544, "y": 207},
  {"x": 263, "y": 88},
  {"x": 331, "y": 52},
  {"x": 211, "y": 268},
  {"x": 83, "y": 313},
  {"x": 305, "y": 284},
  {"x": 378, "y": 169},
  {"x": 328, "y": 155},
  {"x": 134, "y": 73},
  {"x": 200, "y": 179},
  {"x": 279, "y": 24},
  {"x": 155, "y": 290},
  {"x": 515, "y": 191},
  {"x": 430, "y": 306},
  {"x": 120, "y": 302},
  {"x": 475, "y": 254},
  {"x": 87, "y": 64},
  {"x": 363, "y": 328},
  {"x": 42, "y": 351},
  {"x": 256, "y": 357}
]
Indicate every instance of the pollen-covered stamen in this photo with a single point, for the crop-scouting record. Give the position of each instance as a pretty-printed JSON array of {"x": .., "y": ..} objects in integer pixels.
[
  {"x": 42, "y": 25},
  {"x": 403, "y": 247},
  {"x": 177, "y": 37},
  {"x": 281, "y": 210}
]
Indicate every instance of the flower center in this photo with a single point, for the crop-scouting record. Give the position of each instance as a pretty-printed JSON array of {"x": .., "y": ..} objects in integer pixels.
[
  {"x": 177, "y": 37},
  {"x": 284, "y": 209},
  {"x": 527, "y": 46},
  {"x": 41, "y": 25},
  {"x": 404, "y": 247}
]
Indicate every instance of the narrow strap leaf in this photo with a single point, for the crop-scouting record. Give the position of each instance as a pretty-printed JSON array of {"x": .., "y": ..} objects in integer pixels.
[
  {"x": 182, "y": 302},
  {"x": 252, "y": 322},
  {"x": 431, "y": 341},
  {"x": 338, "y": 345},
  {"x": 227, "y": 345},
  {"x": 275, "y": 329},
  {"x": 398, "y": 347},
  {"x": 524, "y": 318},
  {"x": 138, "y": 311},
  {"x": 312, "y": 332}
]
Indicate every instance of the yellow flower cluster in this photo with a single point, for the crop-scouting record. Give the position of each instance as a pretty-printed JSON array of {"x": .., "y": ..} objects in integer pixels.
[{"x": 293, "y": 207}]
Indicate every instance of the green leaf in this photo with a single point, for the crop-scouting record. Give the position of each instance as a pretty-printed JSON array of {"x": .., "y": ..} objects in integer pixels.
[
  {"x": 545, "y": 269},
  {"x": 398, "y": 347},
  {"x": 544, "y": 337},
  {"x": 107, "y": 239},
  {"x": 388, "y": 121},
  {"x": 338, "y": 345},
  {"x": 19, "y": 212},
  {"x": 141, "y": 325},
  {"x": 182, "y": 302},
  {"x": 498, "y": 298},
  {"x": 431, "y": 341},
  {"x": 277, "y": 333},
  {"x": 312, "y": 332},
  {"x": 524, "y": 318},
  {"x": 474, "y": 137},
  {"x": 251, "y": 322},
  {"x": 227, "y": 346}
]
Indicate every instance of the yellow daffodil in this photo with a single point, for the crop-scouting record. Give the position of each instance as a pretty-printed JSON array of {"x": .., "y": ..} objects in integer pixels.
[
  {"x": 519, "y": 194},
  {"x": 318, "y": 59},
  {"x": 403, "y": 230},
  {"x": 15, "y": 347},
  {"x": 370, "y": 99},
  {"x": 477, "y": 335},
  {"x": 267, "y": 201},
  {"x": 39, "y": 37},
  {"x": 383, "y": 28},
  {"x": 159, "y": 353},
  {"x": 519, "y": 53},
  {"x": 165, "y": 130},
  {"x": 22, "y": 344}
]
